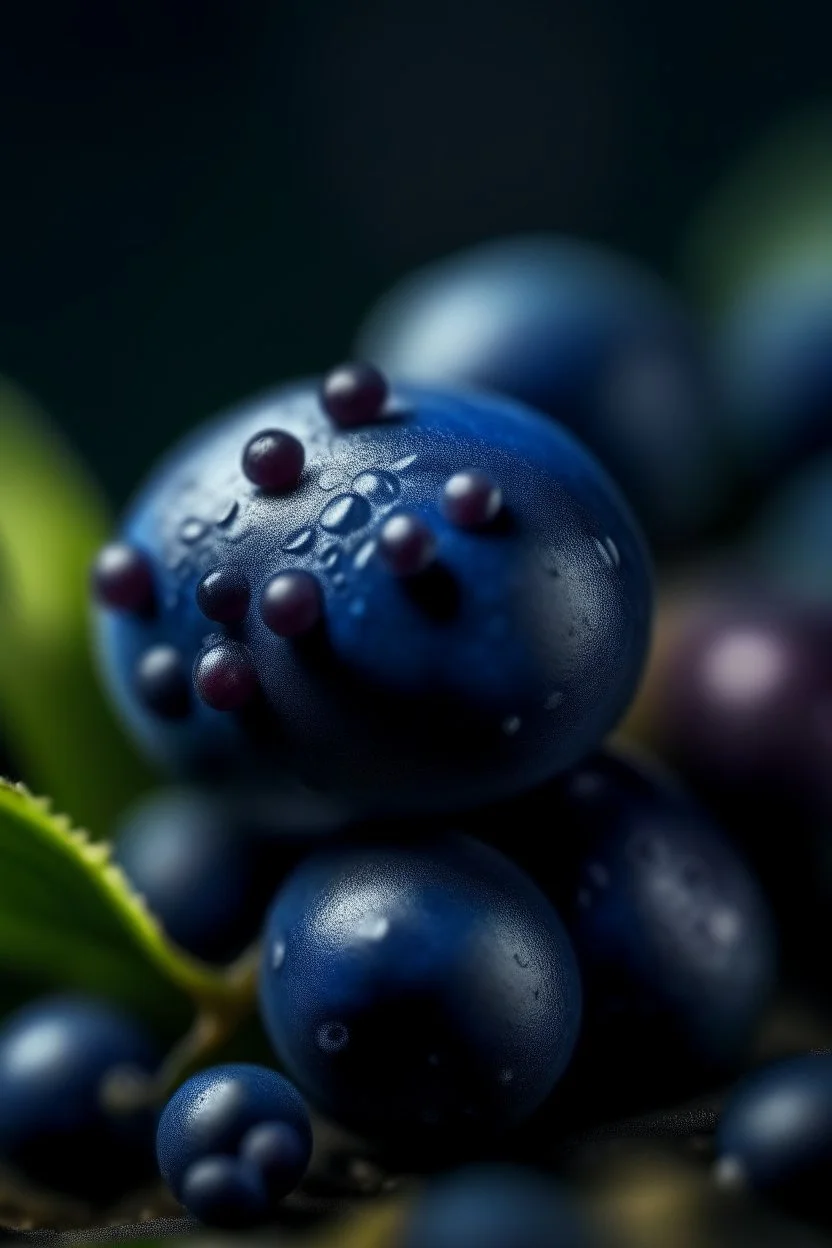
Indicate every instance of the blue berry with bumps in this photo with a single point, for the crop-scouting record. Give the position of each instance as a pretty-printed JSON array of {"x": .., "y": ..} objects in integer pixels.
[
  {"x": 232, "y": 1142},
  {"x": 492, "y": 1206},
  {"x": 775, "y": 1134},
  {"x": 208, "y": 864},
  {"x": 426, "y": 994},
  {"x": 587, "y": 337},
  {"x": 672, "y": 933},
  {"x": 410, "y": 600},
  {"x": 59, "y": 1128}
]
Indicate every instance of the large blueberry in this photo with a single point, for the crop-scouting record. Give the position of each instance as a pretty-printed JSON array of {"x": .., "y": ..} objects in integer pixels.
[
  {"x": 57, "y": 1127},
  {"x": 421, "y": 993},
  {"x": 775, "y": 1135},
  {"x": 672, "y": 934},
  {"x": 412, "y": 606},
  {"x": 584, "y": 335}
]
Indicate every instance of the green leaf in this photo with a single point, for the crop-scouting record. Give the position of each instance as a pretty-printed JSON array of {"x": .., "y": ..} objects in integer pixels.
[
  {"x": 70, "y": 921},
  {"x": 59, "y": 727}
]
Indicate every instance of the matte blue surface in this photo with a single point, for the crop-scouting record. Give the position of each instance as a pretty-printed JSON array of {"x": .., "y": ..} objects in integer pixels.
[
  {"x": 672, "y": 933},
  {"x": 584, "y": 335},
  {"x": 213, "y": 1110},
  {"x": 54, "y": 1129},
  {"x": 775, "y": 1134},
  {"x": 423, "y": 993},
  {"x": 493, "y": 1206},
  {"x": 505, "y": 666}
]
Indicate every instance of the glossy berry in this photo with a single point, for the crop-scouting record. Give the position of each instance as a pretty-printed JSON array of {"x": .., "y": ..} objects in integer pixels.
[
  {"x": 790, "y": 539},
  {"x": 673, "y": 936},
  {"x": 57, "y": 1128},
  {"x": 578, "y": 333},
  {"x": 123, "y": 579},
  {"x": 211, "y": 1116},
  {"x": 422, "y": 993},
  {"x": 274, "y": 461},
  {"x": 493, "y": 1206},
  {"x": 206, "y": 867},
  {"x": 279, "y": 1155},
  {"x": 354, "y": 394},
  {"x": 453, "y": 602},
  {"x": 775, "y": 344},
  {"x": 224, "y": 1192},
  {"x": 775, "y": 1134}
]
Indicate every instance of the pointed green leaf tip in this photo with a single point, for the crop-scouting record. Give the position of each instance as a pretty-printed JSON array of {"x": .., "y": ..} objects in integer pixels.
[
  {"x": 54, "y": 718},
  {"x": 69, "y": 921}
]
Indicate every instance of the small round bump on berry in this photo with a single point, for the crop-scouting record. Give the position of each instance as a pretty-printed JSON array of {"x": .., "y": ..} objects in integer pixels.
[
  {"x": 123, "y": 579},
  {"x": 162, "y": 682},
  {"x": 225, "y": 679},
  {"x": 223, "y": 595},
  {"x": 273, "y": 460},
  {"x": 354, "y": 394},
  {"x": 279, "y": 1154},
  {"x": 471, "y": 500},
  {"x": 406, "y": 545},
  {"x": 224, "y": 1192},
  {"x": 291, "y": 604}
]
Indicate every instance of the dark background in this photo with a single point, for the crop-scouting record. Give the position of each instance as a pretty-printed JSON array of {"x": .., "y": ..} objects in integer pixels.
[{"x": 197, "y": 199}]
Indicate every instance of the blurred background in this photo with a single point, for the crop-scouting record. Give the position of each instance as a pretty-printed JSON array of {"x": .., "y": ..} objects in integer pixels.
[{"x": 202, "y": 198}]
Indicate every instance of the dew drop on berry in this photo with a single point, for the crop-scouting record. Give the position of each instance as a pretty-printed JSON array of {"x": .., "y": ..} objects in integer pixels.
[
  {"x": 273, "y": 460},
  {"x": 406, "y": 545},
  {"x": 299, "y": 541},
  {"x": 345, "y": 514},
  {"x": 223, "y": 595},
  {"x": 291, "y": 603},
  {"x": 471, "y": 500},
  {"x": 378, "y": 486}
]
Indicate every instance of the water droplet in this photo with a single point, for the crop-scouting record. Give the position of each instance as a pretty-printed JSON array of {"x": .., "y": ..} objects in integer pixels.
[
  {"x": 378, "y": 486},
  {"x": 401, "y": 465},
  {"x": 608, "y": 551},
  {"x": 512, "y": 725},
  {"x": 226, "y": 513},
  {"x": 330, "y": 478},
  {"x": 330, "y": 557},
  {"x": 191, "y": 530},
  {"x": 506, "y": 1076},
  {"x": 598, "y": 874},
  {"x": 299, "y": 541},
  {"x": 333, "y": 1037},
  {"x": 346, "y": 513},
  {"x": 614, "y": 551},
  {"x": 364, "y": 554},
  {"x": 278, "y": 954},
  {"x": 553, "y": 701},
  {"x": 522, "y": 960},
  {"x": 372, "y": 927}
]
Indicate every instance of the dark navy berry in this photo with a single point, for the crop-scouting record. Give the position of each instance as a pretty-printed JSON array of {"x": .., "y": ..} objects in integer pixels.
[
  {"x": 274, "y": 461},
  {"x": 671, "y": 931},
  {"x": 354, "y": 394},
  {"x": 207, "y": 869},
  {"x": 424, "y": 993},
  {"x": 775, "y": 1135},
  {"x": 451, "y": 603},
  {"x": 123, "y": 579},
  {"x": 58, "y": 1127},
  {"x": 279, "y": 1154},
  {"x": 495, "y": 1206},
  {"x": 224, "y": 1192},
  {"x": 583, "y": 335},
  {"x": 212, "y": 1114}
]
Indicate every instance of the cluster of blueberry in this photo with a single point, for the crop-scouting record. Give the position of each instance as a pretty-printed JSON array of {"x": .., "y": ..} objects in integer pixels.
[{"x": 384, "y": 628}]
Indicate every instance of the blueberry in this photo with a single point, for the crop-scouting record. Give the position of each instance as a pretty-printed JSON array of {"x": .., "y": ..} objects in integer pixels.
[
  {"x": 583, "y": 335},
  {"x": 673, "y": 936},
  {"x": 212, "y": 1114},
  {"x": 206, "y": 868},
  {"x": 279, "y": 1154},
  {"x": 424, "y": 993},
  {"x": 775, "y": 343},
  {"x": 224, "y": 1192},
  {"x": 445, "y": 596},
  {"x": 775, "y": 1134},
  {"x": 56, "y": 1127}
]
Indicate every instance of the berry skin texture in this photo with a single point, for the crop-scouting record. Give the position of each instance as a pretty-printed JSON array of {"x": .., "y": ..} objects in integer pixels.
[
  {"x": 492, "y": 1206},
  {"x": 55, "y": 1128},
  {"x": 210, "y": 1116},
  {"x": 583, "y": 335},
  {"x": 672, "y": 933},
  {"x": 424, "y": 994},
  {"x": 206, "y": 870},
  {"x": 775, "y": 1135},
  {"x": 305, "y": 635}
]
